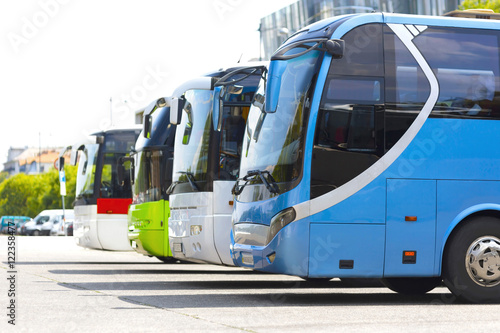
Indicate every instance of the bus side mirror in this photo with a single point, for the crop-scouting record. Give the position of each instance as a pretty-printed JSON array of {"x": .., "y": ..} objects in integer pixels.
[
  {"x": 335, "y": 47},
  {"x": 273, "y": 86},
  {"x": 217, "y": 112},
  {"x": 258, "y": 101},
  {"x": 147, "y": 126},
  {"x": 176, "y": 106}
]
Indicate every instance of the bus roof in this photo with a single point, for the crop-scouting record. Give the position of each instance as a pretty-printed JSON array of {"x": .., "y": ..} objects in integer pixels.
[
  {"x": 119, "y": 129},
  {"x": 344, "y": 23}
]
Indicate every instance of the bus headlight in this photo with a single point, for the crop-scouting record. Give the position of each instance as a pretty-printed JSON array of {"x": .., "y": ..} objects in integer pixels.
[
  {"x": 195, "y": 230},
  {"x": 279, "y": 221}
]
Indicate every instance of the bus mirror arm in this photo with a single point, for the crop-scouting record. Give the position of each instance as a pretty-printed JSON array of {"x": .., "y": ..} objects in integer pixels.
[
  {"x": 148, "y": 114},
  {"x": 147, "y": 126}
]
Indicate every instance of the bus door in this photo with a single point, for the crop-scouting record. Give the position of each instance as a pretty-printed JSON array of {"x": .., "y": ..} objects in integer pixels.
[{"x": 231, "y": 138}]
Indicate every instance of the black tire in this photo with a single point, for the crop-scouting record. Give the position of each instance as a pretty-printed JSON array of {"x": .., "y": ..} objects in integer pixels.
[
  {"x": 36, "y": 233},
  {"x": 467, "y": 277},
  {"x": 167, "y": 260},
  {"x": 412, "y": 286}
]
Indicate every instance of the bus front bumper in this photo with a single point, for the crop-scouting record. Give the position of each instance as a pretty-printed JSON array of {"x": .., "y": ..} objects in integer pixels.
[{"x": 286, "y": 253}]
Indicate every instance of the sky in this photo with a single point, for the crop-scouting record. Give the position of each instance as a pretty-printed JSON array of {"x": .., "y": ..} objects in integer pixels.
[{"x": 70, "y": 68}]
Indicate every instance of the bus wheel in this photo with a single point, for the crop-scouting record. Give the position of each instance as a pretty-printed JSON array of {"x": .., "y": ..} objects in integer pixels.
[
  {"x": 412, "y": 286},
  {"x": 471, "y": 262},
  {"x": 36, "y": 233}
]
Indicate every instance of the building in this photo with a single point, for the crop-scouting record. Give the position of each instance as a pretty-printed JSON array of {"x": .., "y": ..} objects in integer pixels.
[
  {"x": 30, "y": 160},
  {"x": 277, "y": 27},
  {"x": 139, "y": 116}
]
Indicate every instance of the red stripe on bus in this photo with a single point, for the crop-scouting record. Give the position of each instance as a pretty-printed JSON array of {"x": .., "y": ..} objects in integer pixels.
[{"x": 113, "y": 206}]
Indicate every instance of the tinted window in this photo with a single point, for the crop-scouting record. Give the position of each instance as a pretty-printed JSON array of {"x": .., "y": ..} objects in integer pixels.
[
  {"x": 363, "y": 53},
  {"x": 349, "y": 127},
  {"x": 467, "y": 68},
  {"x": 231, "y": 137},
  {"x": 117, "y": 145},
  {"x": 406, "y": 90},
  {"x": 354, "y": 89}
]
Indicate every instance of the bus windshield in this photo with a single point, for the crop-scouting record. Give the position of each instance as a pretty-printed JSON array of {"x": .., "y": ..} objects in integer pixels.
[
  {"x": 86, "y": 171},
  {"x": 273, "y": 142},
  {"x": 117, "y": 144},
  {"x": 192, "y": 143},
  {"x": 152, "y": 172},
  {"x": 148, "y": 175}
]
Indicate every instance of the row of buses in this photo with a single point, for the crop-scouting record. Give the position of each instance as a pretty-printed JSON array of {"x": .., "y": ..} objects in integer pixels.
[{"x": 368, "y": 147}]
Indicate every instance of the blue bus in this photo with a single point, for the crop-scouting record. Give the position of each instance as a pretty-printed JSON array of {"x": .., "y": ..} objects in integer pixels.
[{"x": 371, "y": 151}]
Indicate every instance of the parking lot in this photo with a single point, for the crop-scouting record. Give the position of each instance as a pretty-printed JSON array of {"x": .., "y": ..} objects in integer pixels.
[{"x": 60, "y": 287}]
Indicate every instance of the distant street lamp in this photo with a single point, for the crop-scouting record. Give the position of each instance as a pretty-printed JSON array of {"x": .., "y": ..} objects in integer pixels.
[
  {"x": 111, "y": 111},
  {"x": 39, "y": 152}
]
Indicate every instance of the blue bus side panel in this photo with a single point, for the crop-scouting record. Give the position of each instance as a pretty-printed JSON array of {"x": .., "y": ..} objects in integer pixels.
[
  {"x": 338, "y": 245},
  {"x": 364, "y": 207},
  {"x": 408, "y": 200},
  {"x": 451, "y": 149},
  {"x": 291, "y": 248},
  {"x": 459, "y": 199}
]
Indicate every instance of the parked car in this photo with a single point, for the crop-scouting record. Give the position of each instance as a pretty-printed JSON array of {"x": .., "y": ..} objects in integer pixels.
[
  {"x": 34, "y": 228},
  {"x": 60, "y": 225},
  {"x": 69, "y": 229},
  {"x": 20, "y": 226},
  {"x": 56, "y": 222},
  {"x": 14, "y": 222}
]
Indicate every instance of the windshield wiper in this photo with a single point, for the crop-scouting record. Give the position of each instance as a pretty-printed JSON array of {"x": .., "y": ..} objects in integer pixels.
[
  {"x": 191, "y": 180},
  {"x": 264, "y": 175},
  {"x": 170, "y": 189}
]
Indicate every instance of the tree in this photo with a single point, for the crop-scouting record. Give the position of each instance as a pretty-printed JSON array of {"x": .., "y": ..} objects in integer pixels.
[
  {"x": 3, "y": 176},
  {"x": 14, "y": 194},
  {"x": 30, "y": 194},
  {"x": 481, "y": 4}
]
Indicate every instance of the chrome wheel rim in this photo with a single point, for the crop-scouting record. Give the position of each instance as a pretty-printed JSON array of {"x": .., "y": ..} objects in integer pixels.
[{"x": 483, "y": 261}]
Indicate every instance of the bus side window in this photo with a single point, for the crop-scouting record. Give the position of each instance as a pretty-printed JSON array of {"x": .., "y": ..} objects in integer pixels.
[{"x": 467, "y": 68}]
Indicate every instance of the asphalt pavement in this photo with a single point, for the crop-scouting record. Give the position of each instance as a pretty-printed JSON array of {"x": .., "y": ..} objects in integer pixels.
[{"x": 60, "y": 287}]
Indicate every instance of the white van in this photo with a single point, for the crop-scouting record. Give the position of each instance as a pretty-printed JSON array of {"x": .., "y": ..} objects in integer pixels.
[{"x": 43, "y": 222}]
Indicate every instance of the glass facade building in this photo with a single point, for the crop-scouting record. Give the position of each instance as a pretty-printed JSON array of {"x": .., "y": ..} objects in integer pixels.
[{"x": 277, "y": 27}]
